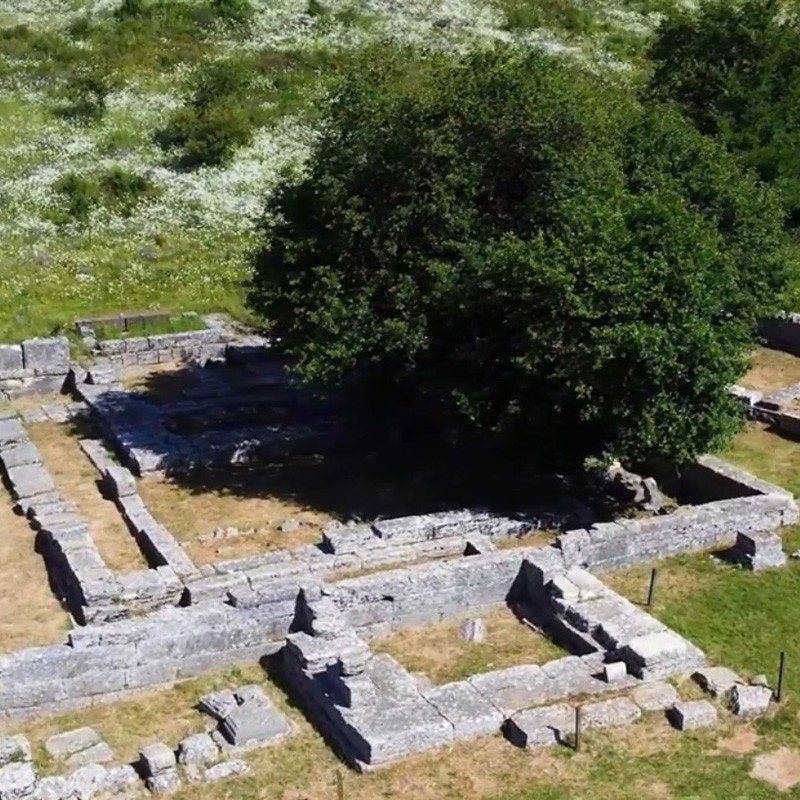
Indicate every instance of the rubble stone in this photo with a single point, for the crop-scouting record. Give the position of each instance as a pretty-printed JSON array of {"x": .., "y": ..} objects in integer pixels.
[
  {"x": 750, "y": 701},
  {"x": 692, "y": 714},
  {"x": 198, "y": 749},
  {"x": 14, "y": 748}
]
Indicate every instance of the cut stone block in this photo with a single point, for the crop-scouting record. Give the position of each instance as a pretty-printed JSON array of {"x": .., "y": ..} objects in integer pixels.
[
  {"x": 227, "y": 769},
  {"x": 692, "y": 714},
  {"x": 12, "y": 432},
  {"x": 252, "y": 724},
  {"x": 88, "y": 782},
  {"x": 66, "y": 744},
  {"x": 156, "y": 758},
  {"x": 167, "y": 782},
  {"x": 750, "y": 701},
  {"x": 536, "y": 727},
  {"x": 11, "y": 365},
  {"x": 717, "y": 681},
  {"x": 655, "y": 696},
  {"x": 100, "y": 753},
  {"x": 14, "y": 748},
  {"x": 20, "y": 455},
  {"x": 614, "y": 672},
  {"x": 470, "y": 714},
  {"x": 46, "y": 356},
  {"x": 473, "y": 630},
  {"x": 118, "y": 482},
  {"x": 53, "y": 788},
  {"x": 610, "y": 713},
  {"x": 31, "y": 480},
  {"x": 759, "y": 550},
  {"x": 218, "y": 704},
  {"x": 198, "y": 749},
  {"x": 17, "y": 781}
]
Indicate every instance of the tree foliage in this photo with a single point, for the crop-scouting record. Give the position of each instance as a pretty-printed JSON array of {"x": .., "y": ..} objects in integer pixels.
[
  {"x": 516, "y": 245},
  {"x": 735, "y": 69}
]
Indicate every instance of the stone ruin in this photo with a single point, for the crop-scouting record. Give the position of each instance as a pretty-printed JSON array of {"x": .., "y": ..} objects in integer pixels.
[{"x": 176, "y": 620}]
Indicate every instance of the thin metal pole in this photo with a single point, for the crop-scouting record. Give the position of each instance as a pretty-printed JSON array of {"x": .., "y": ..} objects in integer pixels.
[
  {"x": 652, "y": 590},
  {"x": 577, "y": 728},
  {"x": 781, "y": 671}
]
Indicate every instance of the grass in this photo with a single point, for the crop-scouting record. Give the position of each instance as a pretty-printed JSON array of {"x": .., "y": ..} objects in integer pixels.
[
  {"x": 76, "y": 481},
  {"x": 771, "y": 370},
  {"x": 439, "y": 652}
]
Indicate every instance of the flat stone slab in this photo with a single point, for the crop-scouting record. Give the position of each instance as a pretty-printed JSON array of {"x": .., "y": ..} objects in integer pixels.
[
  {"x": 538, "y": 727},
  {"x": 14, "y": 748},
  {"x": 609, "y": 713},
  {"x": 750, "y": 701},
  {"x": 470, "y": 714},
  {"x": 692, "y": 714},
  {"x": 100, "y": 753},
  {"x": 254, "y": 724},
  {"x": 655, "y": 696},
  {"x": 66, "y": 744},
  {"x": 31, "y": 480},
  {"x": 227, "y": 769},
  {"x": 717, "y": 681}
]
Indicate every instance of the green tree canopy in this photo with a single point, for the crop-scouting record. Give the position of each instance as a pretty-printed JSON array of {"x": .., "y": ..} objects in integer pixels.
[
  {"x": 527, "y": 249},
  {"x": 735, "y": 69}
]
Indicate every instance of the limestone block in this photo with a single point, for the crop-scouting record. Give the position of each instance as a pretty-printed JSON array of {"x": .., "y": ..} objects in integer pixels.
[
  {"x": 66, "y": 744},
  {"x": 750, "y": 701},
  {"x": 120, "y": 779},
  {"x": 156, "y": 758},
  {"x": 30, "y": 480},
  {"x": 536, "y": 727},
  {"x": 12, "y": 432},
  {"x": 219, "y": 704},
  {"x": 254, "y": 724},
  {"x": 100, "y": 753},
  {"x": 53, "y": 788},
  {"x": 11, "y": 364},
  {"x": 14, "y": 748},
  {"x": 118, "y": 482},
  {"x": 198, "y": 749},
  {"x": 166, "y": 782},
  {"x": 717, "y": 681},
  {"x": 655, "y": 696},
  {"x": 470, "y": 714},
  {"x": 20, "y": 455},
  {"x": 17, "y": 781},
  {"x": 615, "y": 671},
  {"x": 226, "y": 769},
  {"x": 692, "y": 714},
  {"x": 46, "y": 356},
  {"x": 610, "y": 713},
  {"x": 473, "y": 630}
]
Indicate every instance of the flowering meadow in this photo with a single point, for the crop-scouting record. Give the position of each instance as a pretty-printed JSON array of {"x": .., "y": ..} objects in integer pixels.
[{"x": 98, "y": 214}]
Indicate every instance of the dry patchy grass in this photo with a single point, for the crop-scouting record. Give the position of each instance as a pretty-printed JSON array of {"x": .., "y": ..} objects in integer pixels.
[
  {"x": 76, "y": 480},
  {"x": 29, "y": 613},
  {"x": 190, "y": 515},
  {"x": 771, "y": 370},
  {"x": 439, "y": 652}
]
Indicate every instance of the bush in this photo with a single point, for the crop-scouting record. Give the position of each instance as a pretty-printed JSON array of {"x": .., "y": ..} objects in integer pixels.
[
  {"x": 219, "y": 116},
  {"x": 506, "y": 242},
  {"x": 87, "y": 92},
  {"x": 232, "y": 12}
]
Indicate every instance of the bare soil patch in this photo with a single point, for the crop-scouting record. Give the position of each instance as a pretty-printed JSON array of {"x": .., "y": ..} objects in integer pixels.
[
  {"x": 439, "y": 652},
  {"x": 29, "y": 613},
  {"x": 76, "y": 480},
  {"x": 780, "y": 768},
  {"x": 743, "y": 742},
  {"x": 771, "y": 370}
]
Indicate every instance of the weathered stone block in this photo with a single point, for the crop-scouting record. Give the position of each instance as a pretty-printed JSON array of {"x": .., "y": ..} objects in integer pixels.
[
  {"x": 166, "y": 782},
  {"x": 100, "y": 753},
  {"x": 14, "y": 748},
  {"x": 692, "y": 714},
  {"x": 219, "y": 704},
  {"x": 198, "y": 749},
  {"x": 470, "y": 714},
  {"x": 655, "y": 696},
  {"x": 254, "y": 723},
  {"x": 20, "y": 455},
  {"x": 65, "y": 744},
  {"x": 226, "y": 769},
  {"x": 750, "y": 701},
  {"x": 156, "y": 758},
  {"x": 610, "y": 713},
  {"x": 46, "y": 356},
  {"x": 118, "y": 482},
  {"x": 17, "y": 781},
  {"x": 30, "y": 480},
  {"x": 717, "y": 681},
  {"x": 615, "y": 671},
  {"x": 536, "y": 727},
  {"x": 12, "y": 432},
  {"x": 11, "y": 364}
]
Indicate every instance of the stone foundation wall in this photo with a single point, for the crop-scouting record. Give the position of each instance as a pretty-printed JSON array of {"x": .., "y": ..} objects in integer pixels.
[{"x": 782, "y": 333}]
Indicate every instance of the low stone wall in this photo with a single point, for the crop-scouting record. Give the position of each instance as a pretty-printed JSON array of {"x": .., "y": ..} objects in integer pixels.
[{"x": 35, "y": 366}]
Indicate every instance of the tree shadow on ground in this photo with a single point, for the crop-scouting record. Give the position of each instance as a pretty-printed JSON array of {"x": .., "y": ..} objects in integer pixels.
[{"x": 375, "y": 469}]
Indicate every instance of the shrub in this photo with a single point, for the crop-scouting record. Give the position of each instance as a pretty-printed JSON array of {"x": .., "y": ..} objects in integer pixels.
[
  {"x": 521, "y": 248},
  {"x": 118, "y": 189}
]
